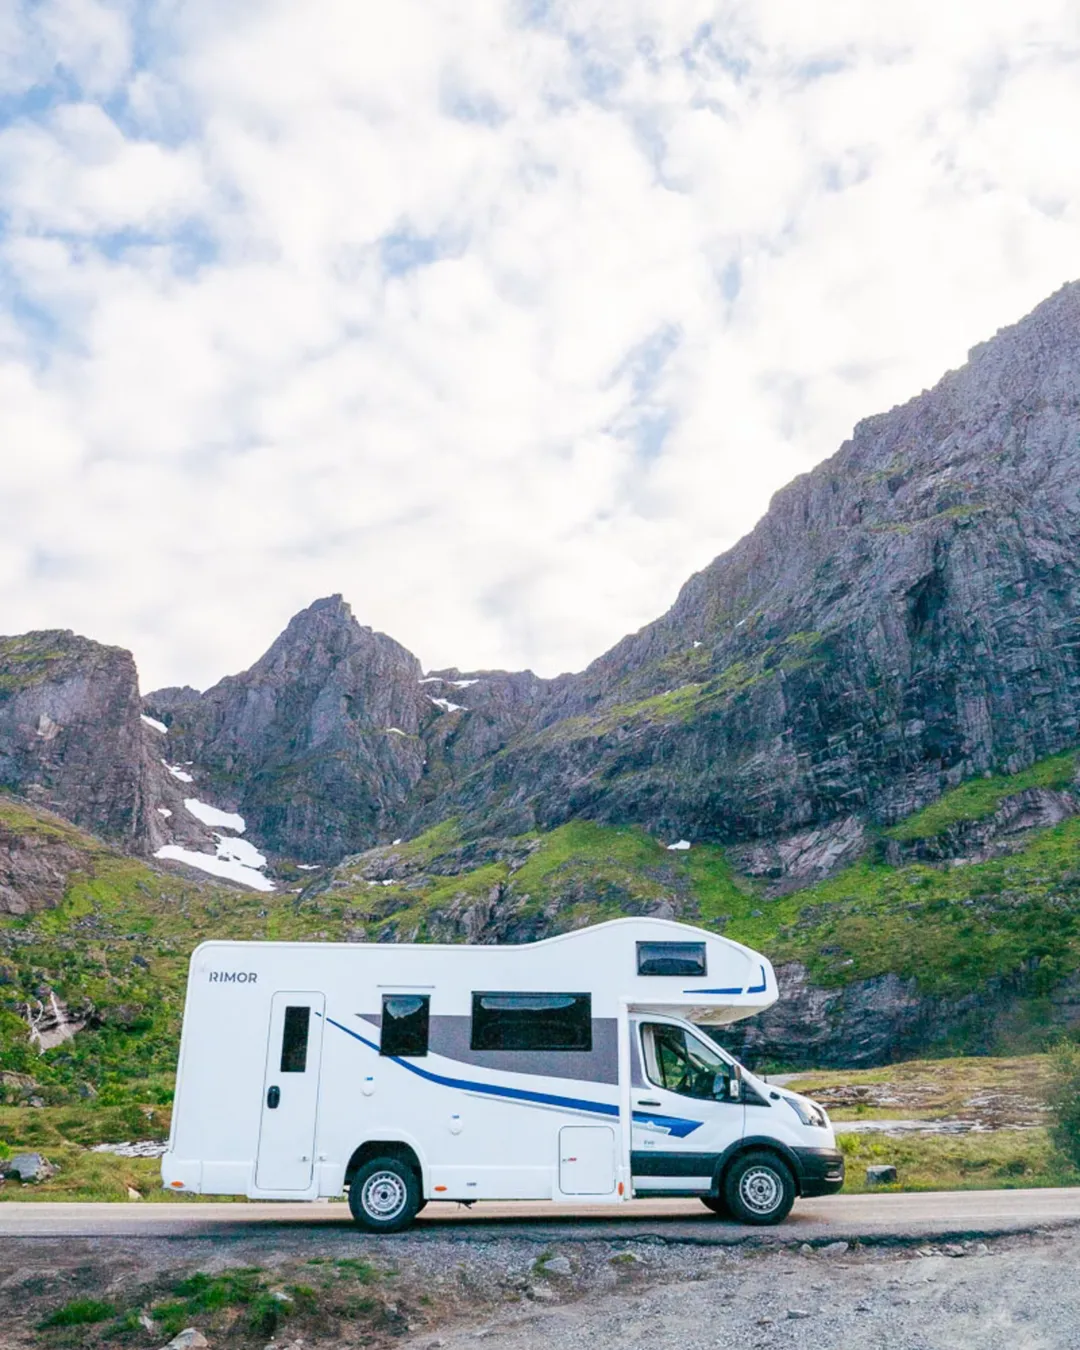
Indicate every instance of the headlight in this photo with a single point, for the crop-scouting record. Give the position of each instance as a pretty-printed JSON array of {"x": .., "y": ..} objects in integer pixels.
[{"x": 808, "y": 1113}]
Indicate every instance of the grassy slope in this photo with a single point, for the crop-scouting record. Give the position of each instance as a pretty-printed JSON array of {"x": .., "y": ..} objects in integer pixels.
[{"x": 1006, "y": 1093}]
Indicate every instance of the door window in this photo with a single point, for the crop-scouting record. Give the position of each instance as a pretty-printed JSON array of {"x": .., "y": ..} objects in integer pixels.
[
  {"x": 678, "y": 1062},
  {"x": 294, "y": 1040}
]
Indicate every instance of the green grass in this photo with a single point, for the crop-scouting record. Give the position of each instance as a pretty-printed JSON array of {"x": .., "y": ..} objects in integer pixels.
[
  {"x": 1010, "y": 1095},
  {"x": 981, "y": 797},
  {"x": 80, "y": 1312},
  {"x": 1002, "y": 1160}
]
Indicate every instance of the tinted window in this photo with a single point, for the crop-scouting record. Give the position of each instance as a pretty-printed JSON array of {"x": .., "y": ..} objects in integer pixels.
[
  {"x": 294, "y": 1040},
  {"x": 532, "y": 1022},
  {"x": 405, "y": 1024},
  {"x": 671, "y": 958}
]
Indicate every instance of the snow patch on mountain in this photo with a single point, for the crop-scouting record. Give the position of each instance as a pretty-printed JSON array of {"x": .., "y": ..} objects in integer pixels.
[
  {"x": 234, "y": 861},
  {"x": 210, "y": 815}
]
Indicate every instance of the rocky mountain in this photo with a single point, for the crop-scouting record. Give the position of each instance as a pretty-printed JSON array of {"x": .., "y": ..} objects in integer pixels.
[
  {"x": 904, "y": 617},
  {"x": 318, "y": 744}
]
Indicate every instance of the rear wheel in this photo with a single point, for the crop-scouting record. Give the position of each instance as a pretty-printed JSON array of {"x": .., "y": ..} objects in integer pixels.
[
  {"x": 384, "y": 1195},
  {"x": 717, "y": 1204},
  {"x": 759, "y": 1189}
]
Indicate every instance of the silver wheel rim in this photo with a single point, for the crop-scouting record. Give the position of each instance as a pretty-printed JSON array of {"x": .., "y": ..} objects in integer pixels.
[
  {"x": 384, "y": 1195},
  {"x": 761, "y": 1190}
]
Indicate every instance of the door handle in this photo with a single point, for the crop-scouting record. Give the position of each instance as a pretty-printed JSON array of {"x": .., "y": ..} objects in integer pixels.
[
  {"x": 648, "y": 1101},
  {"x": 273, "y": 1096}
]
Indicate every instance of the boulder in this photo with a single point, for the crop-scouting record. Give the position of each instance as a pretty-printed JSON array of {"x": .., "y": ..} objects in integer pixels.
[
  {"x": 881, "y": 1175},
  {"x": 188, "y": 1339},
  {"x": 30, "y": 1167}
]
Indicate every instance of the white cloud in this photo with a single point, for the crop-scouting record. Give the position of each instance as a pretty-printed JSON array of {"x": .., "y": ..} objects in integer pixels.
[{"x": 500, "y": 325}]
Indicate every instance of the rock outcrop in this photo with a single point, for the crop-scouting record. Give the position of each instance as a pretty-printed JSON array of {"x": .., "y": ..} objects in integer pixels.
[
  {"x": 318, "y": 744},
  {"x": 71, "y": 738},
  {"x": 37, "y": 858}
]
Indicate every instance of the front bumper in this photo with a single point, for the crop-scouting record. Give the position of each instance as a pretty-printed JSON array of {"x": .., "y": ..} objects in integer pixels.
[{"x": 820, "y": 1171}]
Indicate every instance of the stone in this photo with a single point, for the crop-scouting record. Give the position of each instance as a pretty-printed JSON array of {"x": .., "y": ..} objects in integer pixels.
[
  {"x": 29, "y": 1167},
  {"x": 882, "y": 1174},
  {"x": 953, "y": 1249},
  {"x": 188, "y": 1339},
  {"x": 806, "y": 1249},
  {"x": 834, "y": 1249},
  {"x": 133, "y": 1194},
  {"x": 556, "y": 1265},
  {"x": 797, "y": 1314}
]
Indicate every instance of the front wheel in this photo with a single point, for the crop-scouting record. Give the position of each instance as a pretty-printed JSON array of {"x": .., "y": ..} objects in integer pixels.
[
  {"x": 759, "y": 1189},
  {"x": 384, "y": 1195}
]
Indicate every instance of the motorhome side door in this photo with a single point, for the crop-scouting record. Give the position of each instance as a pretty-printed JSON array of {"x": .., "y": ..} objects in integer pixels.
[
  {"x": 685, "y": 1113},
  {"x": 290, "y": 1093}
]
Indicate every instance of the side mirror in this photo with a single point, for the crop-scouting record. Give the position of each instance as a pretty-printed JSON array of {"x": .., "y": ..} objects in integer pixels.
[{"x": 734, "y": 1088}]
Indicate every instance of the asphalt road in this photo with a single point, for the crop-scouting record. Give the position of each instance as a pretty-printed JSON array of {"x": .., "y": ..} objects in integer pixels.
[{"x": 938, "y": 1215}]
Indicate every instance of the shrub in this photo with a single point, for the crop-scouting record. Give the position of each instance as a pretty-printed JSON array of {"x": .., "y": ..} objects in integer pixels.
[{"x": 1064, "y": 1098}]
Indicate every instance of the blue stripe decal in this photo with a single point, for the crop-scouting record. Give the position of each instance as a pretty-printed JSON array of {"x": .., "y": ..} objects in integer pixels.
[
  {"x": 751, "y": 989},
  {"x": 759, "y": 988},
  {"x": 669, "y": 1124}
]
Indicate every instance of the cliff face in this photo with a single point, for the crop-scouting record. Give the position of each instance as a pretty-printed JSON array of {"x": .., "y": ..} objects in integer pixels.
[
  {"x": 905, "y": 616},
  {"x": 318, "y": 743},
  {"x": 71, "y": 738}
]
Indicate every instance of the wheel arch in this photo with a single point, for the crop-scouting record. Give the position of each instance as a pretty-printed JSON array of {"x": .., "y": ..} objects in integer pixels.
[
  {"x": 401, "y": 1149},
  {"x": 756, "y": 1144}
]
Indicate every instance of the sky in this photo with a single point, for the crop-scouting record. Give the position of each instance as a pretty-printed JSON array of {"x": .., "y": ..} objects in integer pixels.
[{"x": 500, "y": 318}]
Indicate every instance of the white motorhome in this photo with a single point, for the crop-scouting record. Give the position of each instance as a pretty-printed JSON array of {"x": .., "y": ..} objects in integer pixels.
[{"x": 574, "y": 1069}]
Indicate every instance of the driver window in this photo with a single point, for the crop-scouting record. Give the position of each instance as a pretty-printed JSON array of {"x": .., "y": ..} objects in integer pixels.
[{"x": 678, "y": 1062}]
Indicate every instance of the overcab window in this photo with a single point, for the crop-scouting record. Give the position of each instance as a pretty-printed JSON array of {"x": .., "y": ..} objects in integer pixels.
[
  {"x": 671, "y": 958},
  {"x": 405, "y": 1019},
  {"x": 531, "y": 1022}
]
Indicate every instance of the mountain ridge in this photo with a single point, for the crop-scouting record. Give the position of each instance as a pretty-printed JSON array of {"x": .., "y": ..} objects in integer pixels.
[{"x": 904, "y": 616}]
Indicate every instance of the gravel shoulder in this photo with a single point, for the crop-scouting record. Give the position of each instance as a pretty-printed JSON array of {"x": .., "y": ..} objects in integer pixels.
[
  {"x": 1001, "y": 1295},
  {"x": 446, "y": 1288}
]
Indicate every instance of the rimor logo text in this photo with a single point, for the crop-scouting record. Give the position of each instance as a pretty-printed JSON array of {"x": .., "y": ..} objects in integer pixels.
[{"x": 232, "y": 977}]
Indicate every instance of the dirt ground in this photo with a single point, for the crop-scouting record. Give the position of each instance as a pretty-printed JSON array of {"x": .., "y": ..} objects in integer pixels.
[{"x": 329, "y": 1292}]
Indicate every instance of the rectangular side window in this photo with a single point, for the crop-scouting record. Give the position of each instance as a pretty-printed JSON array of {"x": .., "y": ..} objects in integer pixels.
[
  {"x": 294, "y": 1039},
  {"x": 671, "y": 958},
  {"x": 405, "y": 1019},
  {"x": 531, "y": 1022}
]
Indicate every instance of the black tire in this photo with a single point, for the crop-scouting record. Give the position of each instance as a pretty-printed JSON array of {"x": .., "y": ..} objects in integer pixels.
[
  {"x": 717, "y": 1204},
  {"x": 384, "y": 1195},
  {"x": 759, "y": 1189}
]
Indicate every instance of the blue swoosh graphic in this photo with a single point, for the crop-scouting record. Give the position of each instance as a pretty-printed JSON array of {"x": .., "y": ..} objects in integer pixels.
[
  {"x": 751, "y": 989},
  {"x": 673, "y": 1125}
]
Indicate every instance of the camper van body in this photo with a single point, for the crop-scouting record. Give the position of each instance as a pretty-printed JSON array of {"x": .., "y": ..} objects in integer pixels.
[{"x": 534, "y": 1071}]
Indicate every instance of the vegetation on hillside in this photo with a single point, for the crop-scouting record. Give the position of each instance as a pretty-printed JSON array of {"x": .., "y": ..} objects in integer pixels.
[
  {"x": 115, "y": 950},
  {"x": 981, "y": 797}
]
